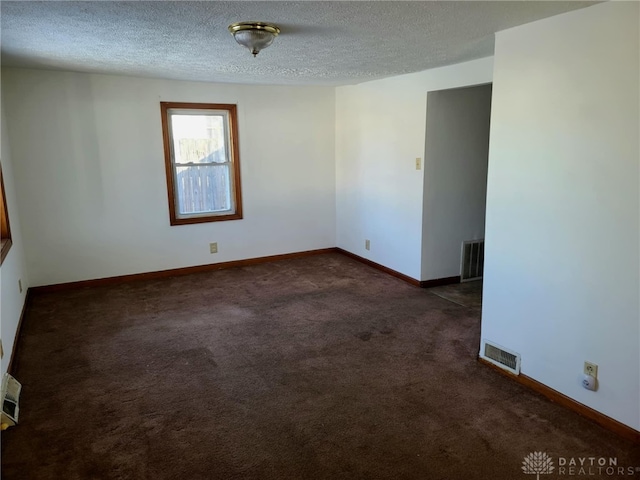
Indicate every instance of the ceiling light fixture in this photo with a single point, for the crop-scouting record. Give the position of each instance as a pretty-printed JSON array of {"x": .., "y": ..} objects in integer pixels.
[{"x": 254, "y": 35}]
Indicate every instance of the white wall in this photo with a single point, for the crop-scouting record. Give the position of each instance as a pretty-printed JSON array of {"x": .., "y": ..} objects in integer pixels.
[
  {"x": 89, "y": 172},
  {"x": 13, "y": 267},
  {"x": 380, "y": 131},
  {"x": 455, "y": 176},
  {"x": 561, "y": 281}
]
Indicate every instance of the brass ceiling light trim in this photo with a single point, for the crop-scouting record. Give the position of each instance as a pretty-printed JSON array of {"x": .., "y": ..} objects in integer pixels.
[{"x": 254, "y": 35}]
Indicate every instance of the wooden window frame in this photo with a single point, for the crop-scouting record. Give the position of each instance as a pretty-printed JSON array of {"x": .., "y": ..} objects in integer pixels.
[
  {"x": 234, "y": 158},
  {"x": 5, "y": 229}
]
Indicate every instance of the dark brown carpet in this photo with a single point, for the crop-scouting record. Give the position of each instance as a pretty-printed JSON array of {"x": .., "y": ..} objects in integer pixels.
[{"x": 315, "y": 368}]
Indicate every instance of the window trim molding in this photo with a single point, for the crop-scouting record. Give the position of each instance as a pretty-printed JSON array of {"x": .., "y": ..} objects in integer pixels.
[
  {"x": 5, "y": 228},
  {"x": 234, "y": 156}
]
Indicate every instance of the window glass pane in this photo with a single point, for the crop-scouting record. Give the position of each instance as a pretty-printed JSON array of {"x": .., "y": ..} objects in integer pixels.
[
  {"x": 198, "y": 138},
  {"x": 203, "y": 189}
]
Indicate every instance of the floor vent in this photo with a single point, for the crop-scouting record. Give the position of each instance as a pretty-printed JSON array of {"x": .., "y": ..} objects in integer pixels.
[
  {"x": 10, "y": 397},
  {"x": 501, "y": 357},
  {"x": 472, "y": 260}
]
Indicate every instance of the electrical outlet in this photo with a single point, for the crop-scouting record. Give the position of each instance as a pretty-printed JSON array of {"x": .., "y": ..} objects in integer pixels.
[
  {"x": 367, "y": 245},
  {"x": 213, "y": 247},
  {"x": 591, "y": 369},
  {"x": 418, "y": 163},
  {"x": 20, "y": 285}
]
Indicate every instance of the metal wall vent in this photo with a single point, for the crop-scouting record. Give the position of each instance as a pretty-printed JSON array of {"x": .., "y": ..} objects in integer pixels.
[
  {"x": 501, "y": 357},
  {"x": 472, "y": 263}
]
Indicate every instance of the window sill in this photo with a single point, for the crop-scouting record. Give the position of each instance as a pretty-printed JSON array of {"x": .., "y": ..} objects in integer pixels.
[
  {"x": 6, "y": 245},
  {"x": 205, "y": 219}
]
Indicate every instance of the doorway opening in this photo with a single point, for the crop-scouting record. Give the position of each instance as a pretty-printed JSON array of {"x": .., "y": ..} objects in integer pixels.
[{"x": 455, "y": 190}]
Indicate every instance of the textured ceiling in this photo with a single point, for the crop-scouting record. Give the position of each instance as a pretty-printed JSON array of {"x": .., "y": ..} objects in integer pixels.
[{"x": 322, "y": 43}]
